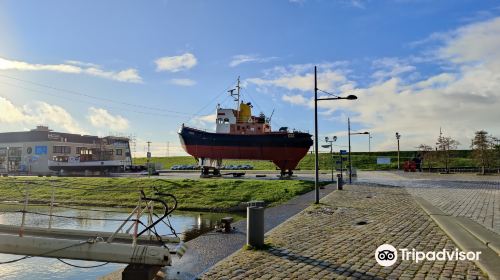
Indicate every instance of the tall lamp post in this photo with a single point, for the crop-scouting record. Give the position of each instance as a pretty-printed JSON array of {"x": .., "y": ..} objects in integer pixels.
[
  {"x": 353, "y": 133},
  {"x": 397, "y": 137},
  {"x": 330, "y": 145},
  {"x": 316, "y": 99},
  {"x": 369, "y": 143}
]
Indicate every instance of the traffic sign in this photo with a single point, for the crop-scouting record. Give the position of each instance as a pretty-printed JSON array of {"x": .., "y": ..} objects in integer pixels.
[{"x": 343, "y": 152}]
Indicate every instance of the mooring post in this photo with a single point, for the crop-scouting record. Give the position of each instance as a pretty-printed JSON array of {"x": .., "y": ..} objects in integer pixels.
[
  {"x": 136, "y": 224},
  {"x": 51, "y": 206},
  {"x": 255, "y": 226},
  {"x": 339, "y": 182},
  {"x": 25, "y": 208}
]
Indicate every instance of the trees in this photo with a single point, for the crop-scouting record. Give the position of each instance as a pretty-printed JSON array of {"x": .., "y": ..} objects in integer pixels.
[
  {"x": 445, "y": 146},
  {"x": 484, "y": 149},
  {"x": 428, "y": 154}
]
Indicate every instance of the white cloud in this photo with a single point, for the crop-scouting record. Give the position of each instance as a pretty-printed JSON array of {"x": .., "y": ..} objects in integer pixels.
[
  {"x": 41, "y": 113},
  {"x": 475, "y": 43},
  {"x": 390, "y": 67},
  {"x": 300, "y": 77},
  {"x": 461, "y": 98},
  {"x": 73, "y": 67},
  {"x": 176, "y": 63},
  {"x": 183, "y": 82},
  {"x": 48, "y": 113},
  {"x": 204, "y": 121},
  {"x": 297, "y": 99},
  {"x": 101, "y": 118},
  {"x": 206, "y": 118},
  {"x": 246, "y": 58}
]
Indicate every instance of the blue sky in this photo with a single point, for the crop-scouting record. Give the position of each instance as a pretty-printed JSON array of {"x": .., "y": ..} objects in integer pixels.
[{"x": 416, "y": 66}]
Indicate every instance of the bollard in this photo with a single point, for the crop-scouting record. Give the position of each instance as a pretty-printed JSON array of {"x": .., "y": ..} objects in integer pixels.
[
  {"x": 339, "y": 182},
  {"x": 255, "y": 226}
]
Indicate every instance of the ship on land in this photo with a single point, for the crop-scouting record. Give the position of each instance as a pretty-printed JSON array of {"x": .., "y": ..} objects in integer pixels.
[{"x": 239, "y": 135}]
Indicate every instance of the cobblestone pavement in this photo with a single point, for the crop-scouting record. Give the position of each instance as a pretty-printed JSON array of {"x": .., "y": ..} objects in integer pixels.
[
  {"x": 332, "y": 241},
  {"x": 468, "y": 195}
]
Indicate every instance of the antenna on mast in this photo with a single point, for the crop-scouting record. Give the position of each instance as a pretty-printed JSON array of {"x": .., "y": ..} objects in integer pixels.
[{"x": 236, "y": 95}]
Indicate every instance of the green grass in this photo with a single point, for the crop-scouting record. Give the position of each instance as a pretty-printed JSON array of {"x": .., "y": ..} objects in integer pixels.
[
  {"x": 362, "y": 160},
  {"x": 208, "y": 195}
]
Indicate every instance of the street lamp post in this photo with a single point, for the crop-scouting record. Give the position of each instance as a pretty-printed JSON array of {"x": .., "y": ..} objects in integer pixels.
[
  {"x": 316, "y": 99},
  {"x": 349, "y": 134},
  {"x": 398, "y": 136},
  {"x": 327, "y": 140},
  {"x": 369, "y": 143}
]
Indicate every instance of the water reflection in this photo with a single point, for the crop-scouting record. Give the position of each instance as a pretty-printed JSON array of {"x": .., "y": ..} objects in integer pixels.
[{"x": 188, "y": 224}]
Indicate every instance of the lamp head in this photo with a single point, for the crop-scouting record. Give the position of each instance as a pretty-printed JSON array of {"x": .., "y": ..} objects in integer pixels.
[{"x": 351, "y": 97}]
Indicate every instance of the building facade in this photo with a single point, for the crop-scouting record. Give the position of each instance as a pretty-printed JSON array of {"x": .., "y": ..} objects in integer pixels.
[{"x": 43, "y": 151}]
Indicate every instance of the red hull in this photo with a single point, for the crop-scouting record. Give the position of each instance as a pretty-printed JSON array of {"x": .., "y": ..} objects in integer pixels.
[{"x": 286, "y": 158}]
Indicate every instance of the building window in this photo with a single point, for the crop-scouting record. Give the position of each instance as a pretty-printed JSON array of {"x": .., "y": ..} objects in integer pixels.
[
  {"x": 83, "y": 151},
  {"x": 62, "y": 150},
  {"x": 118, "y": 152},
  {"x": 15, "y": 152}
]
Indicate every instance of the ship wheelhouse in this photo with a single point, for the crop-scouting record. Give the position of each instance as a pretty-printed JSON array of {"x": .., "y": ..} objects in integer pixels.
[{"x": 241, "y": 121}]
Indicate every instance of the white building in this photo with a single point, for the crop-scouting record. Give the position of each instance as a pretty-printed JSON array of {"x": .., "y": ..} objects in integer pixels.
[{"x": 43, "y": 151}]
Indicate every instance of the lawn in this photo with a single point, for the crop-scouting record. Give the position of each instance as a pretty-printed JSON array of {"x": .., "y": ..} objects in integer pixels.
[
  {"x": 202, "y": 195},
  {"x": 361, "y": 160}
]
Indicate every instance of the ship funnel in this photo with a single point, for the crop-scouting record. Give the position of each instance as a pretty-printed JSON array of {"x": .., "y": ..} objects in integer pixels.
[{"x": 245, "y": 113}]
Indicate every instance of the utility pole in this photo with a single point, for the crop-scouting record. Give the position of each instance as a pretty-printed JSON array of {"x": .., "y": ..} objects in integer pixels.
[
  {"x": 398, "y": 136},
  {"x": 149, "y": 157},
  {"x": 327, "y": 140},
  {"x": 316, "y": 165},
  {"x": 350, "y": 163}
]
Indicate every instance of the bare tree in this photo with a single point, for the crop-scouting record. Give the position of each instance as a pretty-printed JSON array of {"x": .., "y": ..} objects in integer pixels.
[
  {"x": 483, "y": 149},
  {"x": 428, "y": 155},
  {"x": 445, "y": 146}
]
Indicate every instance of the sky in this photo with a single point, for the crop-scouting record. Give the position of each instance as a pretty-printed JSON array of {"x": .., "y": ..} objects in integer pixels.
[{"x": 143, "y": 68}]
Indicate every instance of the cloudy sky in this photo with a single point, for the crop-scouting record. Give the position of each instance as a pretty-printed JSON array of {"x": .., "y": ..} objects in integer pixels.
[{"x": 144, "y": 68}]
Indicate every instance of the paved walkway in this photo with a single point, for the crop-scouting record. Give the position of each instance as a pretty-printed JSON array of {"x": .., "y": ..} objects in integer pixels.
[
  {"x": 467, "y": 195},
  {"x": 337, "y": 240},
  {"x": 206, "y": 250}
]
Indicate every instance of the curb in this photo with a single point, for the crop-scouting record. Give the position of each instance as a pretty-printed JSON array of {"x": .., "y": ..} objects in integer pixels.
[{"x": 469, "y": 236}]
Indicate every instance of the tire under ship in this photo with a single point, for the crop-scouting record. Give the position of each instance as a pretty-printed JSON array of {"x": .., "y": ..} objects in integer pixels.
[{"x": 239, "y": 135}]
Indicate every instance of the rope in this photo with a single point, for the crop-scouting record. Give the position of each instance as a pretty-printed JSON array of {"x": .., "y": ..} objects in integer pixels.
[
  {"x": 79, "y": 266},
  {"x": 71, "y": 217}
]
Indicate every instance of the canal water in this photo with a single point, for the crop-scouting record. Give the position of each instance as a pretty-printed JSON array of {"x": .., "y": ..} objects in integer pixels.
[{"x": 187, "y": 224}]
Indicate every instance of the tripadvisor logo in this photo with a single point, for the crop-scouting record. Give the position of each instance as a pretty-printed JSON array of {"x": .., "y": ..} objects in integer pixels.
[{"x": 387, "y": 255}]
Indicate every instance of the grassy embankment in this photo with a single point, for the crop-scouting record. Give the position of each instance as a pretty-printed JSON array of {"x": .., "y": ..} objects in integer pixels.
[
  {"x": 201, "y": 195},
  {"x": 363, "y": 161}
]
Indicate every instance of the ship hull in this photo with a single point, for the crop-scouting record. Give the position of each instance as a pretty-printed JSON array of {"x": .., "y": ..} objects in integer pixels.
[{"x": 284, "y": 149}]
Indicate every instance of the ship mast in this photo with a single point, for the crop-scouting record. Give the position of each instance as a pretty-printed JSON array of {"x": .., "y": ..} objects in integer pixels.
[{"x": 236, "y": 96}]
